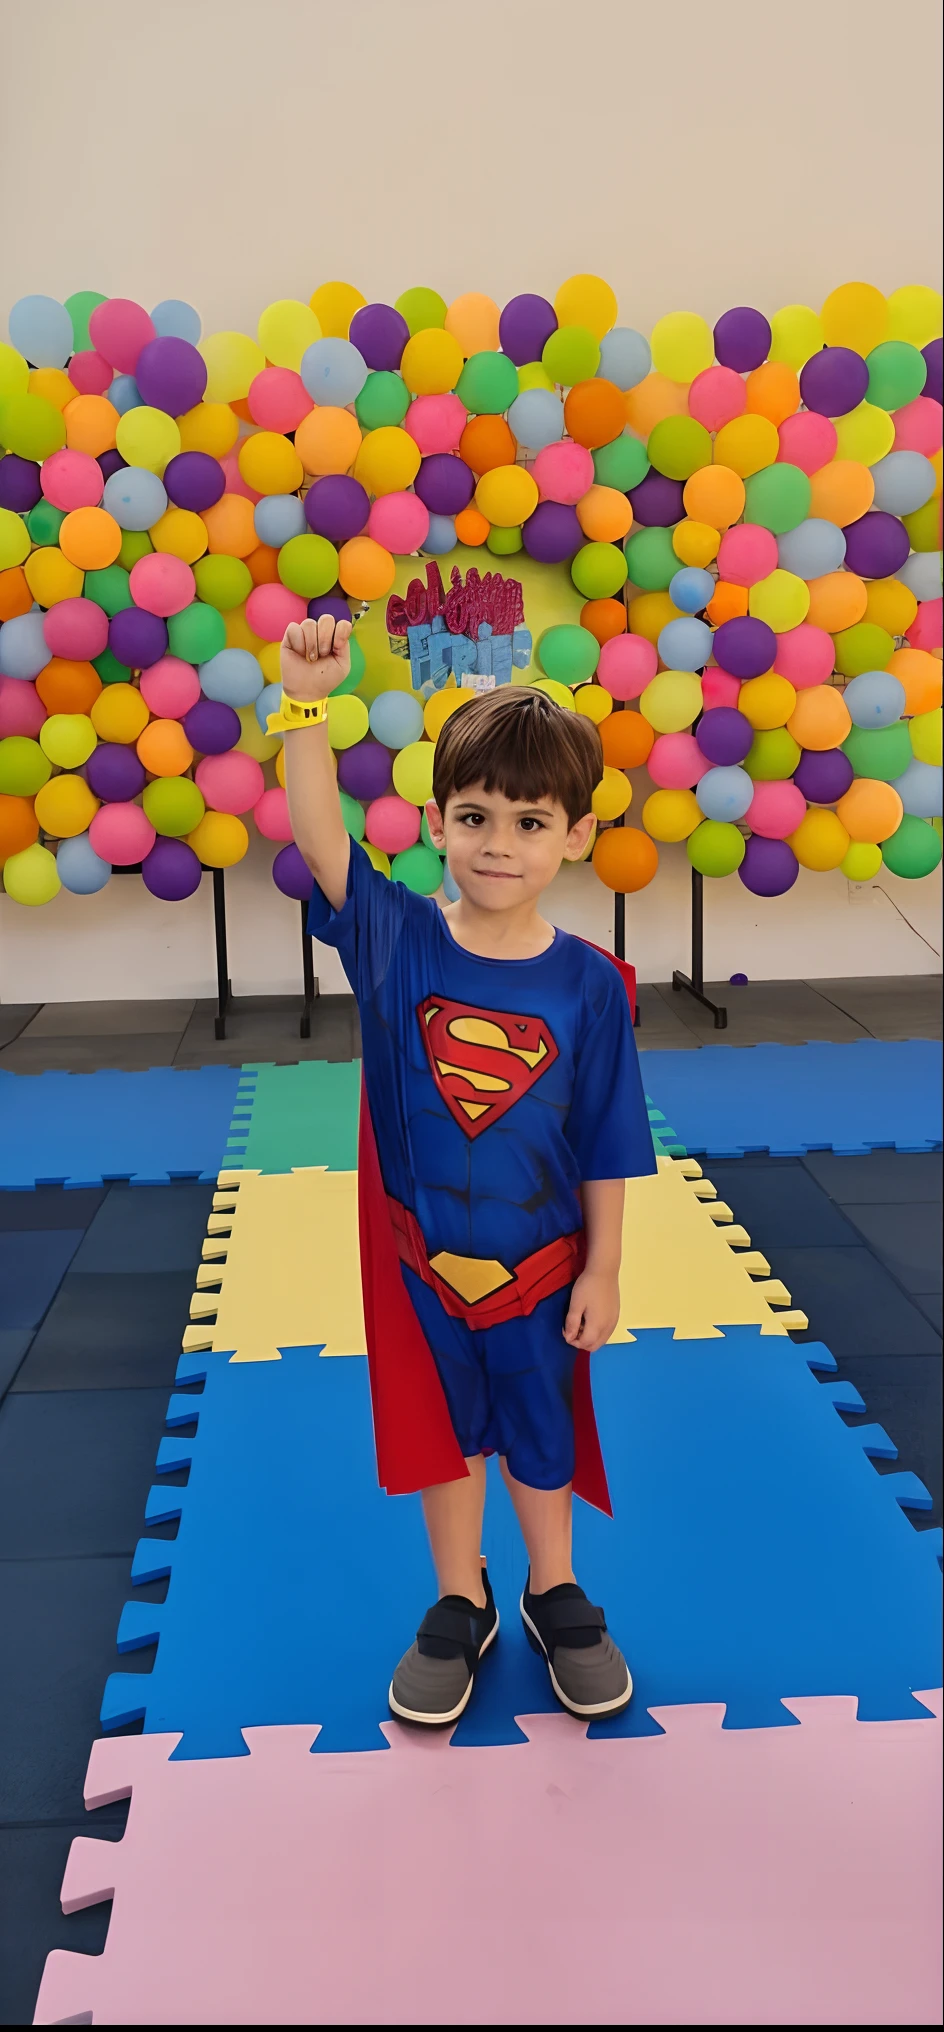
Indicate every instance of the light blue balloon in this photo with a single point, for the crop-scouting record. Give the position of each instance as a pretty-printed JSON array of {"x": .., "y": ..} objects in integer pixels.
[
  {"x": 279, "y": 517},
  {"x": 725, "y": 794},
  {"x": 691, "y": 589},
  {"x": 24, "y": 651},
  {"x": 124, "y": 394},
  {"x": 333, "y": 372},
  {"x": 904, "y": 481},
  {"x": 233, "y": 677},
  {"x": 625, "y": 358},
  {"x": 396, "y": 717},
  {"x": 875, "y": 699},
  {"x": 685, "y": 644},
  {"x": 135, "y": 497},
  {"x": 921, "y": 573},
  {"x": 268, "y": 701},
  {"x": 451, "y": 889},
  {"x": 79, "y": 868},
  {"x": 175, "y": 320},
  {"x": 41, "y": 329},
  {"x": 537, "y": 418},
  {"x": 921, "y": 789},
  {"x": 440, "y": 537},
  {"x": 812, "y": 548}
]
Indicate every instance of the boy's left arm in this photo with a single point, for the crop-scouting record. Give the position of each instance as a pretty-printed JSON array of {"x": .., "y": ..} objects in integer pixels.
[{"x": 595, "y": 1298}]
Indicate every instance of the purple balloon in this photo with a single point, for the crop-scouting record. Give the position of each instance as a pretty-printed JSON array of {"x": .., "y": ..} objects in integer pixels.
[
  {"x": 742, "y": 339},
  {"x": 380, "y": 334},
  {"x": 337, "y": 507},
  {"x": 525, "y": 325},
  {"x": 364, "y": 770},
  {"x": 444, "y": 483},
  {"x": 823, "y": 775},
  {"x": 137, "y": 638},
  {"x": 724, "y": 736},
  {"x": 330, "y": 603},
  {"x": 744, "y": 647},
  {"x": 171, "y": 375},
  {"x": 19, "y": 483},
  {"x": 769, "y": 867},
  {"x": 171, "y": 870},
  {"x": 657, "y": 502},
  {"x": 291, "y": 874},
  {"x": 834, "y": 381},
  {"x": 876, "y": 545},
  {"x": 212, "y": 728},
  {"x": 194, "y": 480},
  {"x": 114, "y": 772},
  {"x": 934, "y": 385},
  {"x": 111, "y": 462},
  {"x": 552, "y": 534}
]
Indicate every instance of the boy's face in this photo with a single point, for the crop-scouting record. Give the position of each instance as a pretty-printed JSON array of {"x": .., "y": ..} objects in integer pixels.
[{"x": 503, "y": 853}]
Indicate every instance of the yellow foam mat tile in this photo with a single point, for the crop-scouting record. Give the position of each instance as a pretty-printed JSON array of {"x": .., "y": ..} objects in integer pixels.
[{"x": 679, "y": 1268}]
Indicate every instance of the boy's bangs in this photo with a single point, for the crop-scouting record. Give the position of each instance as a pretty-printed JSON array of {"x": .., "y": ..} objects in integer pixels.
[{"x": 525, "y": 747}]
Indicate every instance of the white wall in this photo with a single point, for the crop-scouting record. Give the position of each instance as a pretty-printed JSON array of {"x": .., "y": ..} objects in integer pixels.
[{"x": 697, "y": 155}]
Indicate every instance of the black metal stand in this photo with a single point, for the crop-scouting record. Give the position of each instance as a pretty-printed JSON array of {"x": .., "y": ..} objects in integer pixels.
[
  {"x": 619, "y": 911},
  {"x": 696, "y": 985},
  {"x": 223, "y": 984},
  {"x": 308, "y": 976}
]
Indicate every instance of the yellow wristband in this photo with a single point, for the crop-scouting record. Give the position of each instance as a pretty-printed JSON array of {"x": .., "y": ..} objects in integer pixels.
[{"x": 297, "y": 713}]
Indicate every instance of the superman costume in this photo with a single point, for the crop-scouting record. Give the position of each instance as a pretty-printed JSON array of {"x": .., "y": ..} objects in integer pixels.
[{"x": 492, "y": 1089}]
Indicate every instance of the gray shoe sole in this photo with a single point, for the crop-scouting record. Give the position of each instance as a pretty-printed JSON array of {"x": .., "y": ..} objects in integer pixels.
[
  {"x": 438, "y": 1721},
  {"x": 602, "y": 1707}
]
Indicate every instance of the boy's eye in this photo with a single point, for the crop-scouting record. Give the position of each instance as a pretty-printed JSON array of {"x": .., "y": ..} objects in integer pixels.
[
  {"x": 472, "y": 818},
  {"x": 531, "y": 825}
]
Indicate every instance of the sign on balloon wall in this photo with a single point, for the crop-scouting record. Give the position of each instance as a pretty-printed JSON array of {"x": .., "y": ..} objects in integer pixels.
[{"x": 722, "y": 545}]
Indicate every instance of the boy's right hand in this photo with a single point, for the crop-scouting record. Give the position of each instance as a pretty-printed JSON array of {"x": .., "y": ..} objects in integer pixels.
[{"x": 315, "y": 658}]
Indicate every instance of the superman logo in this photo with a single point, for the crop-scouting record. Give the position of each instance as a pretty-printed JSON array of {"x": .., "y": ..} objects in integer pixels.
[{"x": 482, "y": 1060}]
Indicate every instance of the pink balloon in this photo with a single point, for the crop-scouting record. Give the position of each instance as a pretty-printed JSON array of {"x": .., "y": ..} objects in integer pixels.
[
  {"x": 118, "y": 329},
  {"x": 563, "y": 472},
  {"x": 676, "y": 762},
  {"x": 807, "y": 440},
  {"x": 72, "y": 480},
  {"x": 925, "y": 631},
  {"x": 21, "y": 710},
  {"x": 235, "y": 484},
  {"x": 162, "y": 584},
  {"x": 278, "y": 399},
  {"x": 271, "y": 815},
  {"x": 89, "y": 373},
  {"x": 627, "y": 664},
  {"x": 716, "y": 397},
  {"x": 270, "y": 608},
  {"x": 918, "y": 426},
  {"x": 400, "y": 521},
  {"x": 775, "y": 810},
  {"x": 747, "y": 553},
  {"x": 805, "y": 656},
  {"x": 76, "y": 628},
  {"x": 718, "y": 688},
  {"x": 121, "y": 834},
  {"x": 436, "y": 422},
  {"x": 169, "y": 688},
  {"x": 232, "y": 782},
  {"x": 392, "y": 824}
]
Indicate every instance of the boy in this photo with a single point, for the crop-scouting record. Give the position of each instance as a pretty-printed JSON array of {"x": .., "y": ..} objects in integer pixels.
[{"x": 501, "y": 1076}]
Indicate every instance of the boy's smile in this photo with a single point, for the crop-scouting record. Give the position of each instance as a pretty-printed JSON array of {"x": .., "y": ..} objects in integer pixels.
[{"x": 504, "y": 852}]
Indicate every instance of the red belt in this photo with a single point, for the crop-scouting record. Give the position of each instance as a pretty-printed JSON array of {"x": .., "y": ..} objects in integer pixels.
[{"x": 545, "y": 1271}]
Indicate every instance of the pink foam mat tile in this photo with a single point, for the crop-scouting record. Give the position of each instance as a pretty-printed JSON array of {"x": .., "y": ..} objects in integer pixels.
[{"x": 775, "y": 1876}]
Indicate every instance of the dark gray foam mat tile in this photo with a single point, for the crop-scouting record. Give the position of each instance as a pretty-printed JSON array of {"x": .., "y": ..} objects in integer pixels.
[
  {"x": 903, "y": 1393},
  {"x": 882, "y": 1175},
  {"x": 907, "y": 1239},
  {"x": 779, "y": 1204},
  {"x": 853, "y": 1303},
  {"x": 50, "y": 1206},
  {"x": 929, "y": 1302},
  {"x": 111, "y": 1331},
  {"x": 14, "y": 1341},
  {"x": 32, "y": 1266},
  {"x": 32, "y": 1922},
  {"x": 75, "y": 1470},
  {"x": 90, "y": 1054},
  {"x": 146, "y": 1228},
  {"x": 894, "y": 1006}
]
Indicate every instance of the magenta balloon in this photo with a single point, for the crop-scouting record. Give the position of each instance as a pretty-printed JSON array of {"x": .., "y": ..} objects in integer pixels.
[
  {"x": 194, "y": 480},
  {"x": 291, "y": 874},
  {"x": 657, "y": 502},
  {"x": 525, "y": 325},
  {"x": 823, "y": 775},
  {"x": 742, "y": 339},
  {"x": 744, "y": 647},
  {"x": 380, "y": 334},
  {"x": 337, "y": 507},
  {"x": 364, "y": 770},
  {"x": 552, "y": 534},
  {"x": 330, "y": 603},
  {"x": 19, "y": 483},
  {"x": 171, "y": 375},
  {"x": 834, "y": 381},
  {"x": 171, "y": 870},
  {"x": 876, "y": 545},
  {"x": 444, "y": 483},
  {"x": 769, "y": 867},
  {"x": 76, "y": 628},
  {"x": 114, "y": 773},
  {"x": 212, "y": 728},
  {"x": 724, "y": 735}
]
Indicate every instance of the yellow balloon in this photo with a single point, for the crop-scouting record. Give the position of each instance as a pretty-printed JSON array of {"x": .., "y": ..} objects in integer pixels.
[
  {"x": 855, "y": 315},
  {"x": 560, "y": 693},
  {"x": 65, "y": 805},
  {"x": 432, "y": 363},
  {"x": 441, "y": 707},
  {"x": 14, "y": 539},
  {"x": 781, "y": 599},
  {"x": 889, "y": 605},
  {"x": 671, "y": 815},
  {"x": 119, "y": 713},
  {"x": 534, "y": 375},
  {"x": 937, "y": 462},
  {"x": 587, "y": 300},
  {"x": 239, "y": 635},
  {"x": 252, "y": 741},
  {"x": 866, "y": 434},
  {"x": 285, "y": 331},
  {"x": 671, "y": 701},
  {"x": 270, "y": 658},
  {"x": 766, "y": 702},
  {"x": 210, "y": 427},
  {"x": 796, "y": 334},
  {"x": 270, "y": 464},
  {"x": 595, "y": 703},
  {"x": 506, "y": 496},
  {"x": 280, "y": 764},
  {"x": 861, "y": 861},
  {"x": 613, "y": 794},
  {"x": 68, "y": 739},
  {"x": 232, "y": 362},
  {"x": 52, "y": 578},
  {"x": 387, "y": 461},
  {"x": 682, "y": 345},
  {"x": 924, "y": 524},
  {"x": 649, "y": 613},
  {"x": 820, "y": 840},
  {"x": 747, "y": 445},
  {"x": 147, "y": 437},
  {"x": 14, "y": 372},
  {"x": 696, "y": 542},
  {"x": 180, "y": 533},
  {"x": 377, "y": 858},
  {"x": 915, "y": 314},
  {"x": 31, "y": 877},
  {"x": 413, "y": 771},
  {"x": 220, "y": 839},
  {"x": 53, "y": 384},
  {"x": 347, "y": 721},
  {"x": 926, "y": 736},
  {"x": 334, "y": 304}
]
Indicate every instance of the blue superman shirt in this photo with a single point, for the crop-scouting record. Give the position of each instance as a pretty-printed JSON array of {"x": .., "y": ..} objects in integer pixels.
[{"x": 495, "y": 1086}]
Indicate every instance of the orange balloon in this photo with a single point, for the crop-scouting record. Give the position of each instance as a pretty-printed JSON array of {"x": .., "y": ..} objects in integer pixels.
[
  {"x": 594, "y": 413},
  {"x": 747, "y": 444},
  {"x": 15, "y": 595},
  {"x": 870, "y": 811},
  {"x": 602, "y": 618},
  {"x": 840, "y": 492},
  {"x": 627, "y": 739},
  {"x": 241, "y": 408},
  {"x": 19, "y": 825},
  {"x": 366, "y": 570},
  {"x": 328, "y": 441},
  {"x": 821, "y": 718},
  {"x": 164, "y": 748},
  {"x": 91, "y": 424},
  {"x": 263, "y": 563},
  {"x": 650, "y": 402},
  {"x": 604, "y": 515},
  {"x": 67, "y": 687},
  {"x": 472, "y": 321},
  {"x": 918, "y": 671},
  {"x": 624, "y": 858},
  {"x": 472, "y": 526},
  {"x": 90, "y": 538},
  {"x": 837, "y": 600},
  {"x": 486, "y": 442},
  {"x": 231, "y": 531},
  {"x": 715, "y": 494},
  {"x": 727, "y": 603},
  {"x": 773, "y": 391}
]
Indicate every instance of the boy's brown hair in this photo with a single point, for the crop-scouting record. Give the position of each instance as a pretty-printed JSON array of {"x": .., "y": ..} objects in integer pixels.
[{"x": 519, "y": 742}]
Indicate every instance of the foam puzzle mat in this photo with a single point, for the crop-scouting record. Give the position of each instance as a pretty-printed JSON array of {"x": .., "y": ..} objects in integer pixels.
[
  {"x": 792, "y": 1098},
  {"x": 288, "y": 1115},
  {"x": 75, "y": 1129}
]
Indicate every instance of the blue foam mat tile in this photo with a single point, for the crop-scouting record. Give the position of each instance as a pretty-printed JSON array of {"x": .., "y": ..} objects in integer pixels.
[
  {"x": 755, "y": 1552},
  {"x": 32, "y": 1267},
  {"x": 80, "y": 1129},
  {"x": 794, "y": 1098}
]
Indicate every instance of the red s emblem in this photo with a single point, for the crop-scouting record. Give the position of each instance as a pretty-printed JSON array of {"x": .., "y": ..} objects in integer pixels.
[{"x": 482, "y": 1060}]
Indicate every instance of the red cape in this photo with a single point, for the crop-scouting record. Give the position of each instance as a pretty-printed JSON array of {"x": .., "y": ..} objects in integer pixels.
[{"x": 413, "y": 1435}]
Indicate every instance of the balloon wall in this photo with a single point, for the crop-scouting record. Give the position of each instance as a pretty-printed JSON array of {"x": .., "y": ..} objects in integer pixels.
[{"x": 737, "y": 531}]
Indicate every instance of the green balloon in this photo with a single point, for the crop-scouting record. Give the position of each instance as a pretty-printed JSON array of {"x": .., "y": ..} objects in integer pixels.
[
  {"x": 599, "y": 570},
  {"x": 621, "y": 464},
  {"x": 884, "y": 753},
  {"x": 31, "y": 426},
  {"x": 923, "y": 525},
  {"x": 80, "y": 307},
  {"x": 173, "y": 805},
  {"x": 914, "y": 850},
  {"x": 197, "y": 633},
  {"x": 109, "y": 669},
  {"x": 897, "y": 373},
  {"x": 419, "y": 869},
  {"x": 308, "y": 565},
  {"x": 488, "y": 384},
  {"x": 777, "y": 498},
  {"x": 44, "y": 522},
  {"x": 23, "y": 766},
  {"x": 384, "y": 399},
  {"x": 679, "y": 447},
  {"x": 568, "y": 654},
  {"x": 862, "y": 647},
  {"x": 571, "y": 354},
  {"x": 503, "y": 542},
  {"x": 715, "y": 848},
  {"x": 423, "y": 309},
  {"x": 651, "y": 559},
  {"x": 109, "y": 589},
  {"x": 135, "y": 544},
  {"x": 352, "y": 813},
  {"x": 356, "y": 672},
  {"x": 773, "y": 756},
  {"x": 223, "y": 582}
]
